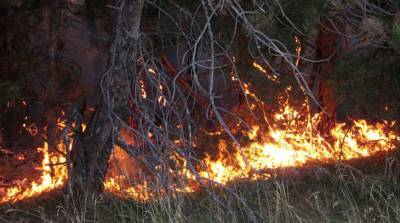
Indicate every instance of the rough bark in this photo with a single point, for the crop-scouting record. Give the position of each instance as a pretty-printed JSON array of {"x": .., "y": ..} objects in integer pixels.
[{"x": 93, "y": 147}]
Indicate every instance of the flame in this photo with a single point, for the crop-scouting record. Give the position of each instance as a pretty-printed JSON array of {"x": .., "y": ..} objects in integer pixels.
[
  {"x": 298, "y": 50},
  {"x": 289, "y": 142},
  {"x": 143, "y": 92},
  {"x": 289, "y": 147},
  {"x": 271, "y": 77},
  {"x": 53, "y": 176},
  {"x": 292, "y": 139}
]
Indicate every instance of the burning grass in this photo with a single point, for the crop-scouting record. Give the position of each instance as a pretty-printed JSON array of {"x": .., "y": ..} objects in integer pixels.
[
  {"x": 358, "y": 191},
  {"x": 52, "y": 177},
  {"x": 288, "y": 143}
]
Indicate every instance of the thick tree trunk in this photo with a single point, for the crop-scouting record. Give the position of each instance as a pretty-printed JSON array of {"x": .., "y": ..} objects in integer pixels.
[{"x": 93, "y": 147}]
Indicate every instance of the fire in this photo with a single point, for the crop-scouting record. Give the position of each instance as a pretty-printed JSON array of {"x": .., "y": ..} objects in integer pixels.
[
  {"x": 117, "y": 186},
  {"x": 53, "y": 176},
  {"x": 288, "y": 147},
  {"x": 289, "y": 142},
  {"x": 285, "y": 145},
  {"x": 271, "y": 77}
]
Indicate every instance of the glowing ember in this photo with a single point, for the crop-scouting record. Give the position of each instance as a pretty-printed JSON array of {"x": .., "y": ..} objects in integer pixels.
[{"x": 271, "y": 77}]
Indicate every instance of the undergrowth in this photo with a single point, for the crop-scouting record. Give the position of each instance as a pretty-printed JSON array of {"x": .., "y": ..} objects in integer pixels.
[{"x": 366, "y": 192}]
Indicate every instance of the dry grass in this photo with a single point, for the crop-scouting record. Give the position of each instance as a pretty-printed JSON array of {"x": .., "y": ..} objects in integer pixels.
[{"x": 364, "y": 192}]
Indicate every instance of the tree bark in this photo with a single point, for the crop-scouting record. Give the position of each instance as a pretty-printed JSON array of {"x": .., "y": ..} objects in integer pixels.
[
  {"x": 331, "y": 42},
  {"x": 92, "y": 148}
]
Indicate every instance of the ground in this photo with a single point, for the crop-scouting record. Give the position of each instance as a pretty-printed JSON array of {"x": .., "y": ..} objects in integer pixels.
[{"x": 358, "y": 191}]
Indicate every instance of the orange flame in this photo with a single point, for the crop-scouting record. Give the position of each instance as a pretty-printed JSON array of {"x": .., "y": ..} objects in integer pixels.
[
  {"x": 292, "y": 140},
  {"x": 286, "y": 144},
  {"x": 53, "y": 176}
]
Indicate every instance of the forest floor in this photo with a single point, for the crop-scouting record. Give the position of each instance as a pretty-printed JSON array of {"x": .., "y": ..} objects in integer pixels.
[{"x": 359, "y": 191}]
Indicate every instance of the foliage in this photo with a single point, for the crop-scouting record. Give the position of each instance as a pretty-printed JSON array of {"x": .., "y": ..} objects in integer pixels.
[
  {"x": 286, "y": 18},
  {"x": 364, "y": 85},
  {"x": 396, "y": 37},
  {"x": 367, "y": 85},
  {"x": 9, "y": 91}
]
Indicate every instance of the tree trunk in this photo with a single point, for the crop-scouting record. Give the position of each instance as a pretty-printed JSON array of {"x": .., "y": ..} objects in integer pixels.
[
  {"x": 92, "y": 148},
  {"x": 330, "y": 44}
]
